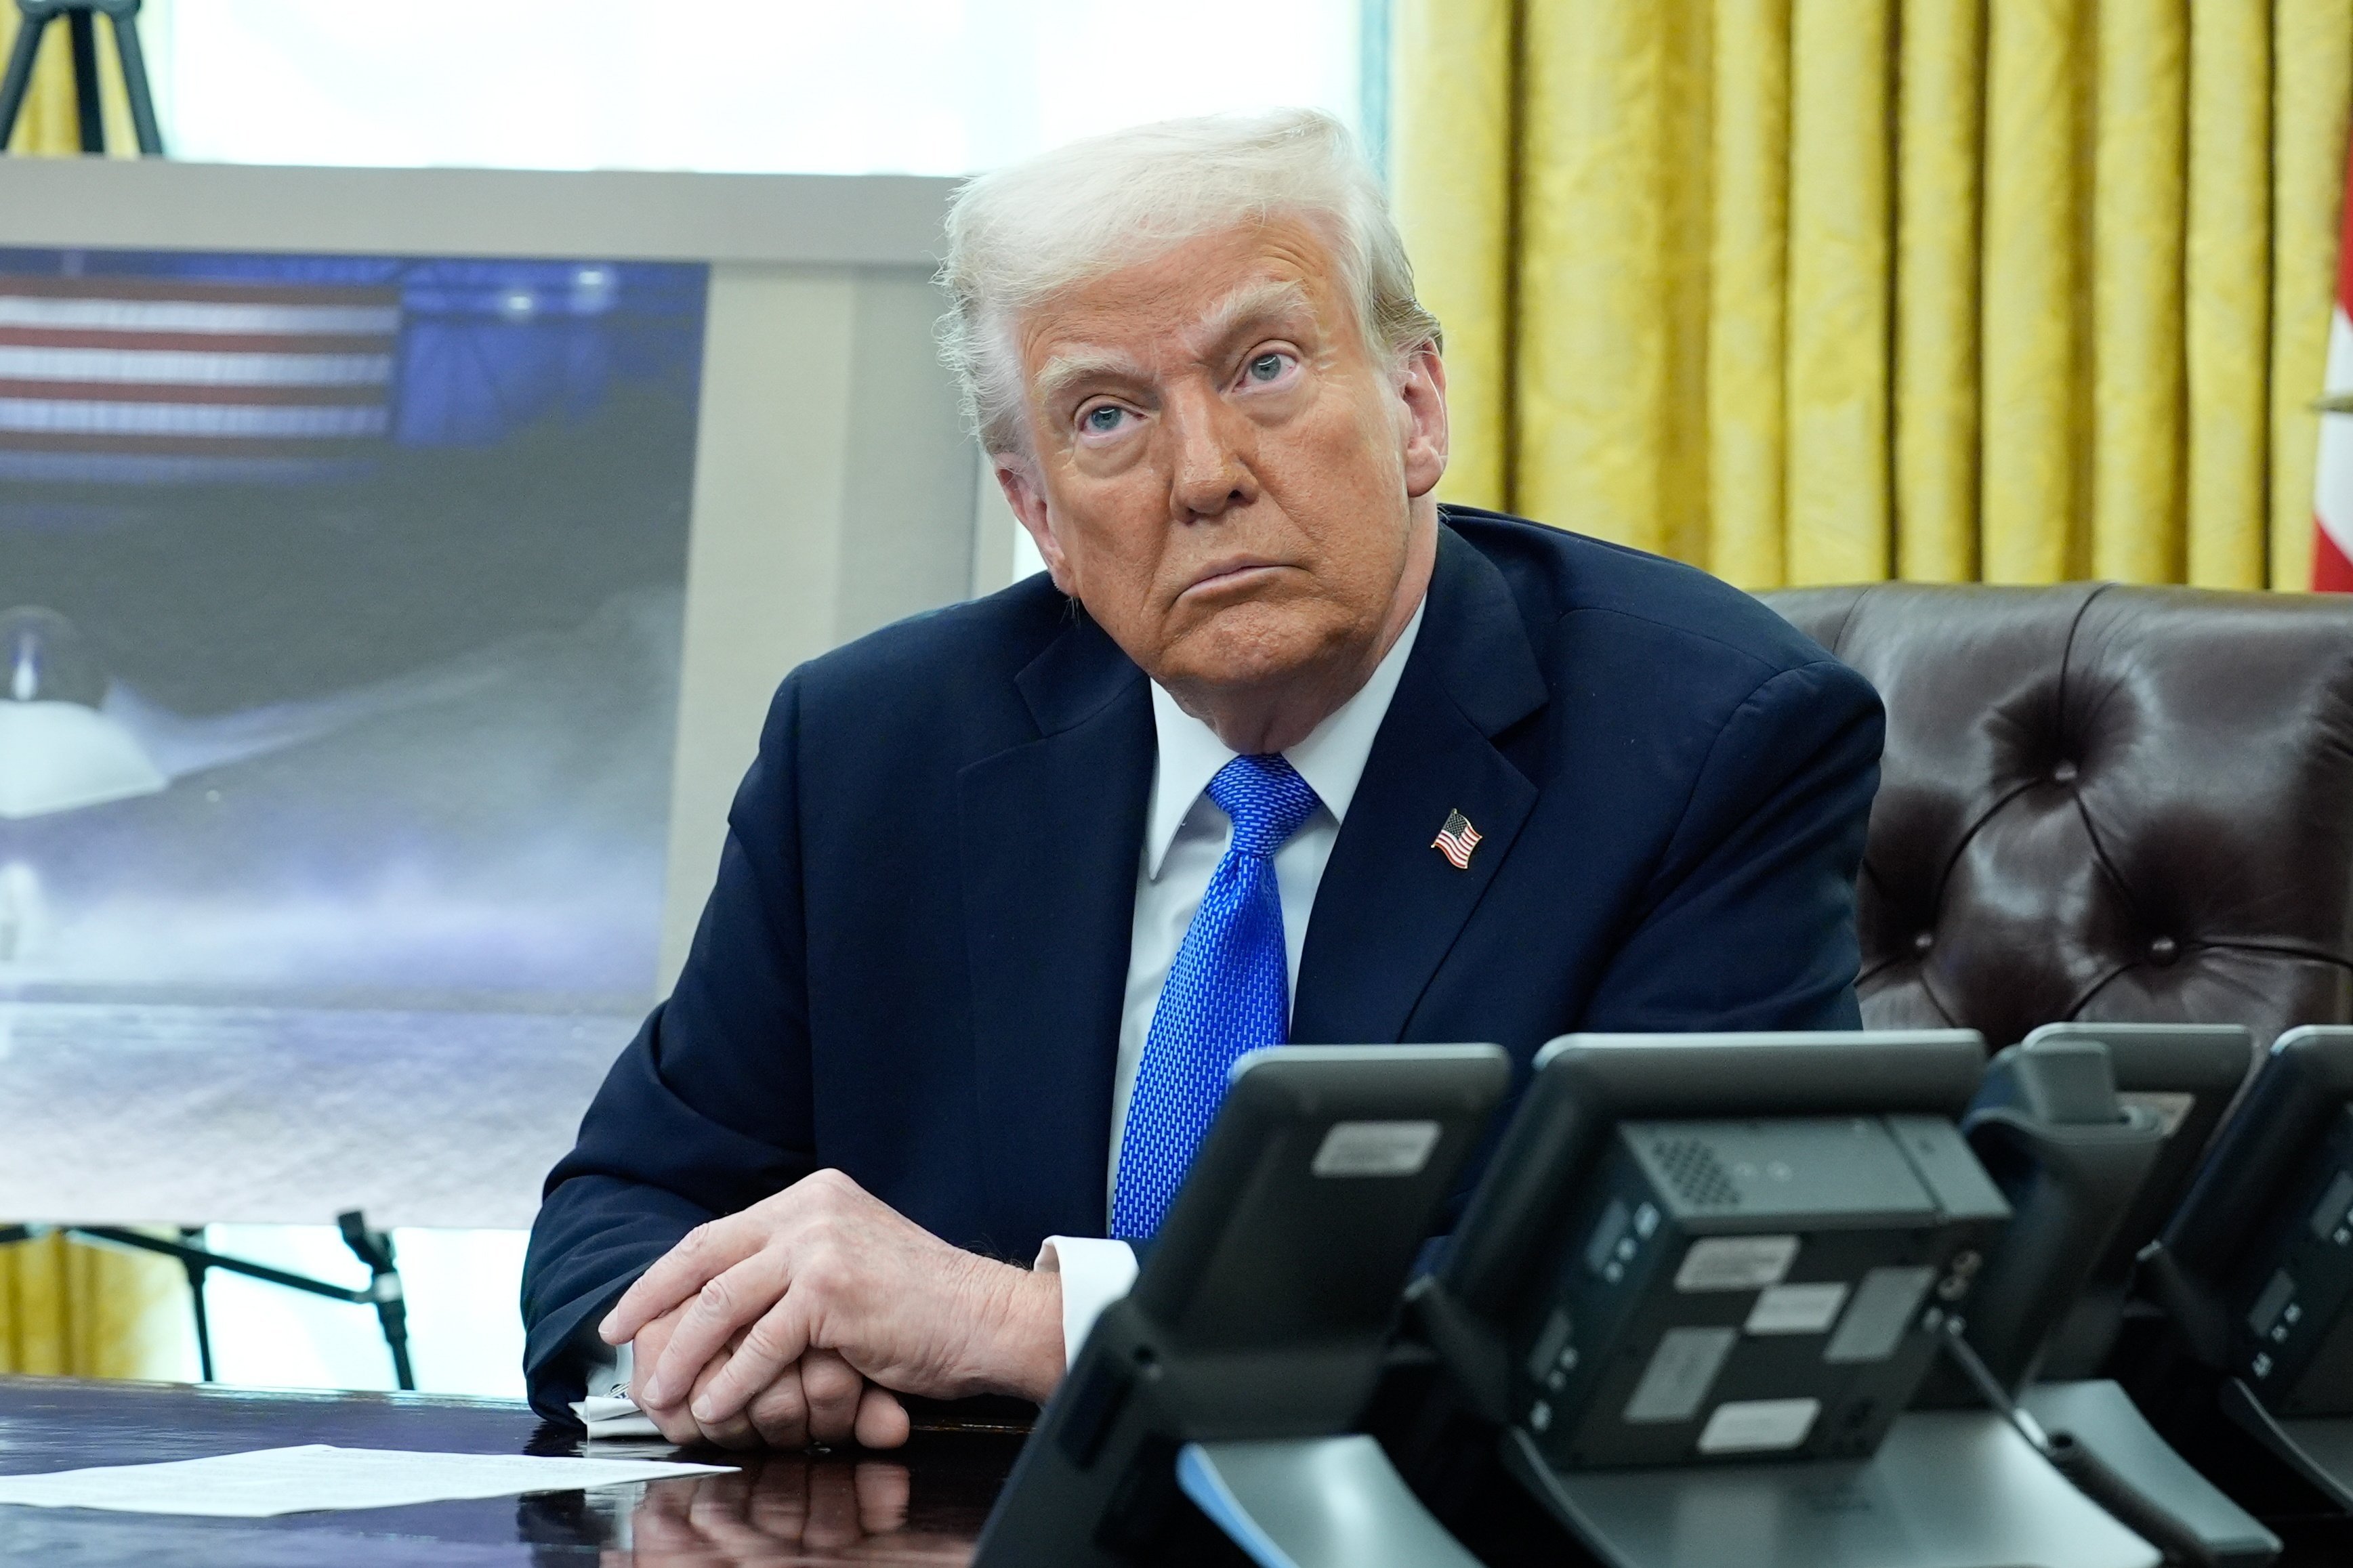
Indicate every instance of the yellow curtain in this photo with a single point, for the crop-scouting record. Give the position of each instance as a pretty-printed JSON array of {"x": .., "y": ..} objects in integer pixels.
[
  {"x": 78, "y": 1310},
  {"x": 49, "y": 125},
  {"x": 1831, "y": 290}
]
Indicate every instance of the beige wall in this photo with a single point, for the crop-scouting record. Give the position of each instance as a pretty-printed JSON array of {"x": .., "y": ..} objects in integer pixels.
[{"x": 834, "y": 494}]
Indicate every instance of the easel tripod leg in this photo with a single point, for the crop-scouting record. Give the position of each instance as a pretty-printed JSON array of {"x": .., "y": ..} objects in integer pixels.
[
  {"x": 82, "y": 28},
  {"x": 19, "y": 80},
  {"x": 143, "y": 126},
  {"x": 196, "y": 1271}
]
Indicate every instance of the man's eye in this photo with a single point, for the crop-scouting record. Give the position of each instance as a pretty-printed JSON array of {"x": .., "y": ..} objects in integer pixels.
[
  {"x": 1266, "y": 368},
  {"x": 1103, "y": 419}
]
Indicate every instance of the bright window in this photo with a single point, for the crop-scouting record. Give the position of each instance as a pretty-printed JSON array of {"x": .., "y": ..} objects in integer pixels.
[{"x": 931, "y": 87}]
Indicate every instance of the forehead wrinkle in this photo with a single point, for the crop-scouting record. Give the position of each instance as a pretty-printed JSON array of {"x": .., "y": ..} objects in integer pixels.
[{"x": 1247, "y": 306}]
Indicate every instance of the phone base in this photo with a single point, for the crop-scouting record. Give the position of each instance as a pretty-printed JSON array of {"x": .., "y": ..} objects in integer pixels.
[
  {"x": 1315, "y": 1502},
  {"x": 1956, "y": 1488},
  {"x": 2319, "y": 1448},
  {"x": 2102, "y": 1420}
]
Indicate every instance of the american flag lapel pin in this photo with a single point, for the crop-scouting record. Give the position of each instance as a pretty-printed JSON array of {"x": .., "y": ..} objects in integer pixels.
[{"x": 1456, "y": 840}]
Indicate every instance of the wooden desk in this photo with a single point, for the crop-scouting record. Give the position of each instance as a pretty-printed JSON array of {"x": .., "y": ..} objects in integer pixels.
[{"x": 923, "y": 1505}]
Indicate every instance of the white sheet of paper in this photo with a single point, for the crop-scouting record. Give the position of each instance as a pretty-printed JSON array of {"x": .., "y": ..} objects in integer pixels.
[{"x": 268, "y": 1481}]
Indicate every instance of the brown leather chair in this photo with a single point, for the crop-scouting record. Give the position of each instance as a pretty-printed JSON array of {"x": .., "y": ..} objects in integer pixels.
[{"x": 2103, "y": 802}]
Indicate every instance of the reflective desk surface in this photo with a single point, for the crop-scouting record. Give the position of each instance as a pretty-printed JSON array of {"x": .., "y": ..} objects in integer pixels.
[{"x": 923, "y": 1504}]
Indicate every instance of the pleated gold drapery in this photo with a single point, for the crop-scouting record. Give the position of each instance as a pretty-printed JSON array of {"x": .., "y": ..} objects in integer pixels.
[
  {"x": 1830, "y": 290},
  {"x": 65, "y": 1309},
  {"x": 49, "y": 125},
  {"x": 91, "y": 1311}
]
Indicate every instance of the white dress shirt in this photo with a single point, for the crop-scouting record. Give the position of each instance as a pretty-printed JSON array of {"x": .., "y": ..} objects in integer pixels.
[{"x": 1184, "y": 836}]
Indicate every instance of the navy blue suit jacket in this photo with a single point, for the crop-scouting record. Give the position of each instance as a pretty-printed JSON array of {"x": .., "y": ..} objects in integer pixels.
[{"x": 912, "y": 964}]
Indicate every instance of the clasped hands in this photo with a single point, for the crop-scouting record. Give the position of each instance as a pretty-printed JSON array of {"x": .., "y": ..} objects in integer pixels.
[
  {"x": 752, "y": 1516},
  {"x": 799, "y": 1320}
]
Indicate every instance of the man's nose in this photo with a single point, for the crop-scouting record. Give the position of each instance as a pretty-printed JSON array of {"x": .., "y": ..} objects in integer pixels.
[{"x": 1212, "y": 468}]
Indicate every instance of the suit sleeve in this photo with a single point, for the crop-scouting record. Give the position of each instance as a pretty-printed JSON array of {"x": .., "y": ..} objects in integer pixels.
[
  {"x": 708, "y": 1111},
  {"x": 1749, "y": 922}
]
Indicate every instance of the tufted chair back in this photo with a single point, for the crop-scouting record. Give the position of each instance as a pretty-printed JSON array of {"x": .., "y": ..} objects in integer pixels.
[{"x": 2126, "y": 805}]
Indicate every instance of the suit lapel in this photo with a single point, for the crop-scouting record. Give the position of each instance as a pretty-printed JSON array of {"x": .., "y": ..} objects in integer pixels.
[
  {"x": 1052, "y": 831},
  {"x": 1390, "y": 906}
]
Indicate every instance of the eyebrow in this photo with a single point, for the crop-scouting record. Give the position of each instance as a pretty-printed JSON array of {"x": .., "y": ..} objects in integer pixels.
[
  {"x": 1246, "y": 306},
  {"x": 1056, "y": 377}
]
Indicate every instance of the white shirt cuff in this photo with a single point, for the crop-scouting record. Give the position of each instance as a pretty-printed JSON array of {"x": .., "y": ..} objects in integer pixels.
[
  {"x": 1095, "y": 1273},
  {"x": 610, "y": 1371},
  {"x": 608, "y": 1411}
]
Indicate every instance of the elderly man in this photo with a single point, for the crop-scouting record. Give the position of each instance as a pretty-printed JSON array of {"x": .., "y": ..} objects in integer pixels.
[{"x": 1284, "y": 751}]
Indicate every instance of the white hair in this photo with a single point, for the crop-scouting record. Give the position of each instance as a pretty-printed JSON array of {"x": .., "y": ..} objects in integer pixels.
[{"x": 1026, "y": 233}]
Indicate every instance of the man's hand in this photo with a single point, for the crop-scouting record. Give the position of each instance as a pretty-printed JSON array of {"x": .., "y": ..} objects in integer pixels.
[
  {"x": 754, "y": 1515},
  {"x": 784, "y": 1414},
  {"x": 828, "y": 1284}
]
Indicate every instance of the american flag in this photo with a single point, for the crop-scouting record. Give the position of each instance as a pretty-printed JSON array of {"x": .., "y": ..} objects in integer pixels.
[
  {"x": 1456, "y": 840},
  {"x": 132, "y": 380},
  {"x": 2332, "y": 487}
]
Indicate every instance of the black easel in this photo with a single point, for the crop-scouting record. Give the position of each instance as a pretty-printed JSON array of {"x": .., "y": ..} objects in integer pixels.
[
  {"x": 81, "y": 23},
  {"x": 373, "y": 1247}
]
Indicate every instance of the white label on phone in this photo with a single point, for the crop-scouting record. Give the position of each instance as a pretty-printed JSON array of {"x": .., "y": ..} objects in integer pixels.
[
  {"x": 1758, "y": 1426},
  {"x": 1376, "y": 1149},
  {"x": 1736, "y": 1262}
]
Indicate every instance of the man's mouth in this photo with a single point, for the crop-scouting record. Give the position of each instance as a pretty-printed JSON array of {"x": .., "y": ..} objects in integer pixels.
[{"x": 1234, "y": 573}]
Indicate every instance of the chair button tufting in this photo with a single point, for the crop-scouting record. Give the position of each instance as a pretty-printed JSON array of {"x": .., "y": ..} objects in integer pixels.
[
  {"x": 2163, "y": 950},
  {"x": 2063, "y": 772},
  {"x": 1922, "y": 942}
]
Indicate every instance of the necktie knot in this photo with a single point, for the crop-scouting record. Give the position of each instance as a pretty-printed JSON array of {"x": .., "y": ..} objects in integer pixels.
[{"x": 1267, "y": 799}]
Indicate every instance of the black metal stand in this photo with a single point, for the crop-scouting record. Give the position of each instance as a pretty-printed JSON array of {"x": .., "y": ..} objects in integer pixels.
[
  {"x": 191, "y": 1236},
  {"x": 373, "y": 1249},
  {"x": 81, "y": 26}
]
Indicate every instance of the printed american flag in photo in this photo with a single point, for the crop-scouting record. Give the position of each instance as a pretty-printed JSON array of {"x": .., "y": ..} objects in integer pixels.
[
  {"x": 1456, "y": 840},
  {"x": 158, "y": 380}
]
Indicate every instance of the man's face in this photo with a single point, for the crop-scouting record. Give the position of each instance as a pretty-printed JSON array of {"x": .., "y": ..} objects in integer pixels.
[{"x": 1224, "y": 474}]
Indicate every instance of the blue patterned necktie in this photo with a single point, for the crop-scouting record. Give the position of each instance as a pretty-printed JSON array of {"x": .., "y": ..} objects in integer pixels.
[{"x": 1227, "y": 993}]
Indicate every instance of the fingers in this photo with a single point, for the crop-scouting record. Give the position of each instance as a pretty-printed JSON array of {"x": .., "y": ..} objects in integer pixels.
[
  {"x": 703, "y": 1252},
  {"x": 669, "y": 1417},
  {"x": 779, "y": 1412},
  {"x": 795, "y": 1411},
  {"x": 882, "y": 1421},
  {"x": 725, "y": 1307},
  {"x": 659, "y": 1525},
  {"x": 832, "y": 1387},
  {"x": 825, "y": 1266},
  {"x": 883, "y": 1492},
  {"x": 735, "y": 1432},
  {"x": 712, "y": 1248},
  {"x": 721, "y": 1517},
  {"x": 778, "y": 1338},
  {"x": 832, "y": 1509},
  {"x": 674, "y": 1417},
  {"x": 780, "y": 1501},
  {"x": 674, "y": 1424}
]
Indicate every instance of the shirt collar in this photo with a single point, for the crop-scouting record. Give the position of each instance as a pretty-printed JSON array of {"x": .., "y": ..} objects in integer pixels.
[{"x": 1331, "y": 759}]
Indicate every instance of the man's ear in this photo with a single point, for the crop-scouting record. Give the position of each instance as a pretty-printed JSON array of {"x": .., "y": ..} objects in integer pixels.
[
  {"x": 1421, "y": 395},
  {"x": 1027, "y": 499}
]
